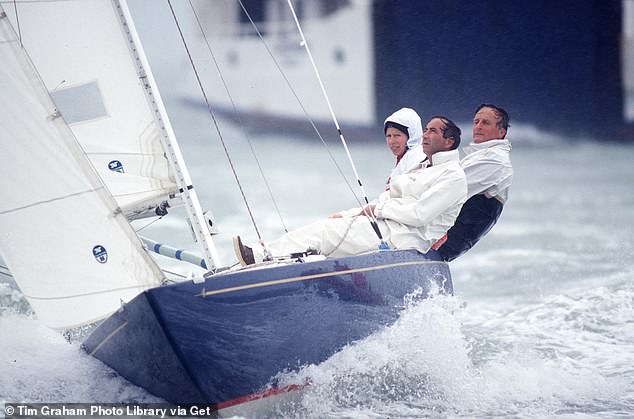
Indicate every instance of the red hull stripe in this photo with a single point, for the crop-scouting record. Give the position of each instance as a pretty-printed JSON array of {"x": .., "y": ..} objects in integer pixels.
[{"x": 262, "y": 395}]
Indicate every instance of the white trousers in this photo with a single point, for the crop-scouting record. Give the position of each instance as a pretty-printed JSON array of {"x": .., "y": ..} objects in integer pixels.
[{"x": 331, "y": 237}]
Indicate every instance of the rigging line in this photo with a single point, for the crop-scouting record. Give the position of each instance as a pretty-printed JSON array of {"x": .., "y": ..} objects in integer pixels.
[
  {"x": 304, "y": 43},
  {"x": 213, "y": 117},
  {"x": 149, "y": 224},
  {"x": 235, "y": 109},
  {"x": 4, "y": 270},
  {"x": 299, "y": 101},
  {"x": 17, "y": 21},
  {"x": 38, "y": 1},
  {"x": 175, "y": 274}
]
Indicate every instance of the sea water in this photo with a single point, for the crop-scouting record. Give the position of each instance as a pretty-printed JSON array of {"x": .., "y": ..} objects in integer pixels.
[{"x": 541, "y": 323}]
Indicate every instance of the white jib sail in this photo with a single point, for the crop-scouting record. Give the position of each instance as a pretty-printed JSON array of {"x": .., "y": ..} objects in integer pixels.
[
  {"x": 71, "y": 250},
  {"x": 84, "y": 60}
]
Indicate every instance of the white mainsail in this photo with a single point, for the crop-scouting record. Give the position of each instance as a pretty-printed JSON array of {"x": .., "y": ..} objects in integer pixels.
[
  {"x": 84, "y": 60},
  {"x": 91, "y": 60},
  {"x": 68, "y": 245}
]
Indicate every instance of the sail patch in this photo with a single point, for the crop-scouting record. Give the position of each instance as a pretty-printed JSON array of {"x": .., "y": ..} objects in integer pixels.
[
  {"x": 80, "y": 103},
  {"x": 100, "y": 253},
  {"x": 116, "y": 166}
]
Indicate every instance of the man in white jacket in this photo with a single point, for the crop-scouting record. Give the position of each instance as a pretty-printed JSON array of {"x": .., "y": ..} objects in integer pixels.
[
  {"x": 487, "y": 164},
  {"x": 404, "y": 135},
  {"x": 414, "y": 213}
]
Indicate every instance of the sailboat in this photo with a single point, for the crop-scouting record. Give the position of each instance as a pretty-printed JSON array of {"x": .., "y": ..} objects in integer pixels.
[{"x": 87, "y": 146}]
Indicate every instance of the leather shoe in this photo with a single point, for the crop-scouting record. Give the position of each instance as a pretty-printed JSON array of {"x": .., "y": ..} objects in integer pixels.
[{"x": 244, "y": 253}]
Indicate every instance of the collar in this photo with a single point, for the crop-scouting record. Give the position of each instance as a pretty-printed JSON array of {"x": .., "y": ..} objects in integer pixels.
[
  {"x": 445, "y": 156},
  {"x": 398, "y": 159},
  {"x": 473, "y": 147}
]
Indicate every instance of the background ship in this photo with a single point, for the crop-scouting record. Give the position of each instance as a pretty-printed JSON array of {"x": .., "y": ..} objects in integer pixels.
[{"x": 564, "y": 66}]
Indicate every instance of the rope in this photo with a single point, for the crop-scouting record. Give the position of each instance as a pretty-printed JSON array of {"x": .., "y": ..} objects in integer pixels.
[
  {"x": 304, "y": 43},
  {"x": 175, "y": 274},
  {"x": 343, "y": 237},
  {"x": 235, "y": 109},
  {"x": 213, "y": 117},
  {"x": 149, "y": 224},
  {"x": 4, "y": 270},
  {"x": 299, "y": 101},
  {"x": 17, "y": 21}
]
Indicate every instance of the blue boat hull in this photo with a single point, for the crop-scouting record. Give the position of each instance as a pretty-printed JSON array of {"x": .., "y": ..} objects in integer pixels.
[{"x": 223, "y": 340}]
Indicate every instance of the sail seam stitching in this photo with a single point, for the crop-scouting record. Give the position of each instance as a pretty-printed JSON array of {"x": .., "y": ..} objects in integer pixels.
[
  {"x": 48, "y": 201},
  {"x": 64, "y": 297}
]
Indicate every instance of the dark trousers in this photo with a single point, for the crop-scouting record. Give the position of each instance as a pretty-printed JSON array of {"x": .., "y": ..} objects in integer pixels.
[{"x": 477, "y": 216}]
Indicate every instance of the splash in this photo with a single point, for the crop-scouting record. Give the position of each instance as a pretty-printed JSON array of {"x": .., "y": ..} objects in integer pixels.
[
  {"x": 413, "y": 364},
  {"x": 436, "y": 360},
  {"x": 41, "y": 366}
]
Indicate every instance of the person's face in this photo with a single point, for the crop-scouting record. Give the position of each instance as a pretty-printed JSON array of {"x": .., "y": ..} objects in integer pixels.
[
  {"x": 397, "y": 141},
  {"x": 485, "y": 126},
  {"x": 433, "y": 140}
]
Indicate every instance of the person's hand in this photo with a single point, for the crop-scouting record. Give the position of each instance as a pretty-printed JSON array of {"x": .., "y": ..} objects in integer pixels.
[
  {"x": 335, "y": 215},
  {"x": 368, "y": 210}
]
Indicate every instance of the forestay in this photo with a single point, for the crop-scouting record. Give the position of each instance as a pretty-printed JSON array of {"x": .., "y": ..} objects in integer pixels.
[
  {"x": 70, "y": 249},
  {"x": 97, "y": 88}
]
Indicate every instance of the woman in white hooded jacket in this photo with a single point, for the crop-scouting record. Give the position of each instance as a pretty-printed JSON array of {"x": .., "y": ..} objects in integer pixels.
[{"x": 404, "y": 134}]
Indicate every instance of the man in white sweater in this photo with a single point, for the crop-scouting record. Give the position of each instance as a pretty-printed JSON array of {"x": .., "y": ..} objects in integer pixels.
[
  {"x": 414, "y": 213},
  {"x": 487, "y": 165}
]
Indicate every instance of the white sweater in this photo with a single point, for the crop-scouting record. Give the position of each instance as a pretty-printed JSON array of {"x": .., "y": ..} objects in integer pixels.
[
  {"x": 423, "y": 204},
  {"x": 488, "y": 169}
]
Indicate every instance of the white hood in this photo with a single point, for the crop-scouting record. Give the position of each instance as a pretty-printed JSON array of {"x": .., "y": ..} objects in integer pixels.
[{"x": 409, "y": 118}]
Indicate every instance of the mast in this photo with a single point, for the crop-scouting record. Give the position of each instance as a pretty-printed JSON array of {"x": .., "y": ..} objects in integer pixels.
[{"x": 168, "y": 140}]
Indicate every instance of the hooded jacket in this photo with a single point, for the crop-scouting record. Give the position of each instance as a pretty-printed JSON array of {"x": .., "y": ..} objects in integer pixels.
[{"x": 414, "y": 155}]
